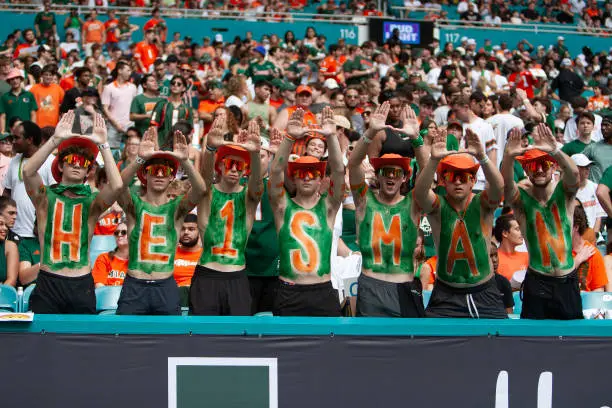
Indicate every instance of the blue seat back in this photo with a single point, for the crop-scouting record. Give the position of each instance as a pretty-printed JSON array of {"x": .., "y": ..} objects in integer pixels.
[
  {"x": 107, "y": 298},
  {"x": 8, "y": 299},
  {"x": 25, "y": 300},
  {"x": 518, "y": 303},
  {"x": 596, "y": 300},
  {"x": 426, "y": 296}
]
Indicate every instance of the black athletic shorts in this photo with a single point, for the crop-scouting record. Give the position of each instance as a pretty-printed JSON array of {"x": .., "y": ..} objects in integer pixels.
[
  {"x": 214, "y": 293},
  {"x": 55, "y": 294},
  {"x": 320, "y": 299},
  {"x": 484, "y": 301},
  {"x": 378, "y": 298},
  {"x": 149, "y": 297},
  {"x": 548, "y": 297},
  {"x": 263, "y": 291}
]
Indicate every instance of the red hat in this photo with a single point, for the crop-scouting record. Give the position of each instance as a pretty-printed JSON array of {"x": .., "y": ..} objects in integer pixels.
[
  {"x": 458, "y": 162},
  {"x": 187, "y": 67},
  {"x": 391, "y": 159},
  {"x": 303, "y": 88},
  {"x": 142, "y": 176},
  {"x": 306, "y": 163},
  {"x": 232, "y": 150},
  {"x": 73, "y": 141},
  {"x": 532, "y": 155}
]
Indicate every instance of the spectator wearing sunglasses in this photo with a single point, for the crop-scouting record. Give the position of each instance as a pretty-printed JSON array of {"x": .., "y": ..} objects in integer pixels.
[
  {"x": 461, "y": 222},
  {"x": 167, "y": 113},
  {"x": 111, "y": 267}
]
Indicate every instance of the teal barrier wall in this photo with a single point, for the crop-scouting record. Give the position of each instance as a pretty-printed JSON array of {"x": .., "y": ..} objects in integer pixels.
[
  {"x": 573, "y": 42},
  {"x": 198, "y": 28}
]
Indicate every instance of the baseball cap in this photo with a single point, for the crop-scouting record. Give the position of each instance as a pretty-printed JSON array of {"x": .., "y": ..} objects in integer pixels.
[
  {"x": 260, "y": 49},
  {"x": 171, "y": 58},
  {"x": 581, "y": 160},
  {"x": 4, "y": 136},
  {"x": 303, "y": 89},
  {"x": 560, "y": 38},
  {"x": 566, "y": 62},
  {"x": 330, "y": 83},
  {"x": 219, "y": 38}
]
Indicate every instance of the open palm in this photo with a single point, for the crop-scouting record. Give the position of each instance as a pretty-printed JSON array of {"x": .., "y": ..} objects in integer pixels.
[{"x": 295, "y": 126}]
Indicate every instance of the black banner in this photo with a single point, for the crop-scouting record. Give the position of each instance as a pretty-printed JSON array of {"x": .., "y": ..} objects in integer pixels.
[{"x": 89, "y": 371}]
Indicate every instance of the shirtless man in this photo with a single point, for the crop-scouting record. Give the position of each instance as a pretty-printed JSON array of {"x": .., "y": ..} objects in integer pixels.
[
  {"x": 67, "y": 214},
  {"x": 305, "y": 223},
  {"x": 154, "y": 222},
  {"x": 544, "y": 210},
  {"x": 462, "y": 224},
  {"x": 387, "y": 225},
  {"x": 225, "y": 216}
]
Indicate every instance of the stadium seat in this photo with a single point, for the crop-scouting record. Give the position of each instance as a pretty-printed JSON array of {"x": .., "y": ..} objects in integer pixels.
[
  {"x": 587, "y": 94},
  {"x": 8, "y": 299},
  {"x": 106, "y": 299},
  {"x": 596, "y": 300},
  {"x": 426, "y": 296},
  {"x": 99, "y": 245},
  {"x": 518, "y": 303},
  {"x": 25, "y": 299}
]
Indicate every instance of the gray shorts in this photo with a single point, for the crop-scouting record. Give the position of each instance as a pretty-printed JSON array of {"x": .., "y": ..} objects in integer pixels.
[
  {"x": 377, "y": 298},
  {"x": 479, "y": 302}
]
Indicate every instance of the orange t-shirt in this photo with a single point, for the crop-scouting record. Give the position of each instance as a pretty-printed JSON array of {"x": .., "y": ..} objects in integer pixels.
[
  {"x": 433, "y": 264},
  {"x": 94, "y": 31},
  {"x": 108, "y": 224},
  {"x": 67, "y": 82},
  {"x": 184, "y": 265},
  {"x": 48, "y": 98},
  {"x": 209, "y": 106},
  {"x": 592, "y": 273},
  {"x": 598, "y": 103},
  {"x": 109, "y": 272},
  {"x": 511, "y": 263},
  {"x": 329, "y": 68},
  {"x": 146, "y": 53},
  {"x": 110, "y": 26}
]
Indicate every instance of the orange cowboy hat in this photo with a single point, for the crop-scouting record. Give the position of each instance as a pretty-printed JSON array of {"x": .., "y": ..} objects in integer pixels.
[
  {"x": 391, "y": 159},
  {"x": 458, "y": 162},
  {"x": 306, "y": 163},
  {"x": 232, "y": 150},
  {"x": 73, "y": 141},
  {"x": 533, "y": 155},
  {"x": 142, "y": 176}
]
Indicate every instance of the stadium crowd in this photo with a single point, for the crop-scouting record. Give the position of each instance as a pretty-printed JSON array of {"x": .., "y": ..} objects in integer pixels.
[{"x": 236, "y": 177}]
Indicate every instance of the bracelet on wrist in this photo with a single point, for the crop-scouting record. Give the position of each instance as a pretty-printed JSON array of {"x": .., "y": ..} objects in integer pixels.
[
  {"x": 366, "y": 139},
  {"x": 140, "y": 160},
  {"x": 211, "y": 149},
  {"x": 289, "y": 137},
  {"x": 104, "y": 146},
  {"x": 418, "y": 142},
  {"x": 484, "y": 160}
]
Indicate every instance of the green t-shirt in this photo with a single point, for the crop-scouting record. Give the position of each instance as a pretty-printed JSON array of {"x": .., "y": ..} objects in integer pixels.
[
  {"x": 29, "y": 250},
  {"x": 265, "y": 70},
  {"x": 574, "y": 147},
  {"x": 349, "y": 231},
  {"x": 165, "y": 115},
  {"x": 358, "y": 64},
  {"x": 606, "y": 178},
  {"x": 142, "y": 104},
  {"x": 262, "y": 247},
  {"x": 601, "y": 155},
  {"x": 17, "y": 105},
  {"x": 45, "y": 22},
  {"x": 164, "y": 88}
]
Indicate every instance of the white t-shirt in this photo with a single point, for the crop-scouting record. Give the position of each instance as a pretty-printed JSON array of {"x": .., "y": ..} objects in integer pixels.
[
  {"x": 233, "y": 100},
  {"x": 24, "y": 224},
  {"x": 487, "y": 137},
  {"x": 502, "y": 123},
  {"x": 441, "y": 115},
  {"x": 590, "y": 203},
  {"x": 571, "y": 130},
  {"x": 119, "y": 101},
  {"x": 475, "y": 76}
]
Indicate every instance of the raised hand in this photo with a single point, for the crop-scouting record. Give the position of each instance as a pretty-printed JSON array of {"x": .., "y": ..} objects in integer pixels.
[
  {"x": 252, "y": 140},
  {"x": 147, "y": 146},
  {"x": 438, "y": 146},
  {"x": 99, "y": 134},
  {"x": 543, "y": 139},
  {"x": 410, "y": 124},
  {"x": 473, "y": 145},
  {"x": 63, "y": 130},
  {"x": 214, "y": 138},
  {"x": 378, "y": 119},
  {"x": 514, "y": 143},
  {"x": 521, "y": 94},
  {"x": 181, "y": 148},
  {"x": 295, "y": 126},
  {"x": 583, "y": 254},
  {"x": 328, "y": 127},
  {"x": 276, "y": 137}
]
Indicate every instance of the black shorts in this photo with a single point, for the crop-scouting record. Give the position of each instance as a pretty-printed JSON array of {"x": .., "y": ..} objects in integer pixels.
[
  {"x": 320, "y": 299},
  {"x": 263, "y": 291},
  {"x": 149, "y": 297},
  {"x": 484, "y": 301},
  {"x": 548, "y": 297},
  {"x": 55, "y": 294},
  {"x": 214, "y": 293},
  {"x": 378, "y": 298}
]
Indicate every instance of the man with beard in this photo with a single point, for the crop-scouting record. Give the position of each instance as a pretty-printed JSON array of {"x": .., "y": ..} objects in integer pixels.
[
  {"x": 305, "y": 222},
  {"x": 67, "y": 213},
  {"x": 187, "y": 255},
  {"x": 387, "y": 226},
  {"x": 225, "y": 217},
  {"x": 154, "y": 221},
  {"x": 461, "y": 222},
  {"x": 544, "y": 210}
]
